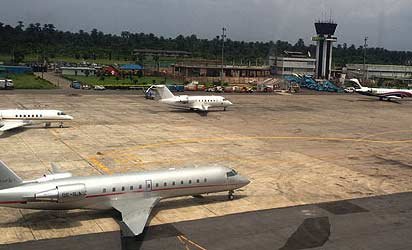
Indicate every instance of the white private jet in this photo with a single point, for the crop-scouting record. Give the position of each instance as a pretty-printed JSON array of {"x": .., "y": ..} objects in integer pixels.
[
  {"x": 14, "y": 118},
  {"x": 200, "y": 103},
  {"x": 383, "y": 94},
  {"x": 132, "y": 194}
]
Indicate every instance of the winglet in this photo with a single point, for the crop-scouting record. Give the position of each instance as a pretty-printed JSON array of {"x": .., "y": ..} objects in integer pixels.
[{"x": 8, "y": 178}]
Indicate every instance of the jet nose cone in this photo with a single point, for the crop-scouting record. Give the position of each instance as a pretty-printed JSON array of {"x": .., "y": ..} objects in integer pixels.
[
  {"x": 243, "y": 181},
  {"x": 69, "y": 117}
]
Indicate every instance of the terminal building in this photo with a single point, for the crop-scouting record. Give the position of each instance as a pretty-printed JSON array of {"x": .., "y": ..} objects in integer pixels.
[
  {"x": 78, "y": 71},
  {"x": 292, "y": 63},
  {"x": 211, "y": 72},
  {"x": 380, "y": 71}
]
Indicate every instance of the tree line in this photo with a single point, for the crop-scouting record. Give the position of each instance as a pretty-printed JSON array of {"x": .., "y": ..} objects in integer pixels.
[{"x": 46, "y": 42}]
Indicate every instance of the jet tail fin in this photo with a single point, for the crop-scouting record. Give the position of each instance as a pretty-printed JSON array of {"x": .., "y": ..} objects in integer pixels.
[
  {"x": 8, "y": 178},
  {"x": 356, "y": 81},
  {"x": 163, "y": 91}
]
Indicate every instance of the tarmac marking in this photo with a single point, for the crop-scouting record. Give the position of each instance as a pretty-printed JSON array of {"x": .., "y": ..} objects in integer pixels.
[
  {"x": 125, "y": 153},
  {"x": 217, "y": 139},
  {"x": 183, "y": 239},
  {"x": 387, "y": 132},
  {"x": 100, "y": 165}
]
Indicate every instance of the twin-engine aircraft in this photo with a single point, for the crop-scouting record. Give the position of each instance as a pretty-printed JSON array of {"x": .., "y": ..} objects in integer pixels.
[
  {"x": 199, "y": 103},
  {"x": 14, "y": 118},
  {"x": 133, "y": 195},
  {"x": 383, "y": 94}
]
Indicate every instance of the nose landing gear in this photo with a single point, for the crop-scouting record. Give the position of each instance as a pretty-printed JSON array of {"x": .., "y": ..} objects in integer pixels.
[
  {"x": 230, "y": 195},
  {"x": 61, "y": 125}
]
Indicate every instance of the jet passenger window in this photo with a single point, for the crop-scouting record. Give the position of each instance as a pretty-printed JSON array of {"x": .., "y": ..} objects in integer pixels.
[
  {"x": 157, "y": 184},
  {"x": 173, "y": 183},
  {"x": 205, "y": 180},
  {"x": 104, "y": 190},
  {"x": 197, "y": 181},
  {"x": 190, "y": 181},
  {"x": 181, "y": 182},
  {"x": 122, "y": 188},
  {"x": 165, "y": 184},
  {"x": 113, "y": 189},
  {"x": 140, "y": 186},
  {"x": 131, "y": 187}
]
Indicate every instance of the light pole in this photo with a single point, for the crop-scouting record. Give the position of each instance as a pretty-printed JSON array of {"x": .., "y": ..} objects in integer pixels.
[
  {"x": 223, "y": 51},
  {"x": 365, "y": 45}
]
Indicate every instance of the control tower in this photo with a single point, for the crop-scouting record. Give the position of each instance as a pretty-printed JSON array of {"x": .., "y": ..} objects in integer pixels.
[{"x": 325, "y": 31}]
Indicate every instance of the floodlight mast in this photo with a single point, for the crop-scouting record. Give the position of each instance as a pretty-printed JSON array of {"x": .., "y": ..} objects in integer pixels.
[{"x": 223, "y": 51}]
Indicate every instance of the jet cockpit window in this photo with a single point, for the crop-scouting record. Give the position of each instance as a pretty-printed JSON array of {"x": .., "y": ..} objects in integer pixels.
[
  {"x": 61, "y": 113},
  {"x": 231, "y": 173}
]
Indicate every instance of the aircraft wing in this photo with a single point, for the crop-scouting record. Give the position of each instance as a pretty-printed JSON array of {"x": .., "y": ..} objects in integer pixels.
[
  {"x": 135, "y": 212},
  {"x": 7, "y": 125},
  {"x": 200, "y": 106}
]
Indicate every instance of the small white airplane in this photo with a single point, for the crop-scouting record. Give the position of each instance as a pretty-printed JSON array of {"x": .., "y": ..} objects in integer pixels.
[
  {"x": 14, "y": 118},
  {"x": 200, "y": 103},
  {"x": 384, "y": 94},
  {"x": 132, "y": 194}
]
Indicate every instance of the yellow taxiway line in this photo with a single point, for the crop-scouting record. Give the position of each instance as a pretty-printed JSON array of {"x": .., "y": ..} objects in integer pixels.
[{"x": 123, "y": 152}]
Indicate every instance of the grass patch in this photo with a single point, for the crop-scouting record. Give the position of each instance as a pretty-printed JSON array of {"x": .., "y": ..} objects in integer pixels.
[
  {"x": 29, "y": 81},
  {"x": 112, "y": 81}
]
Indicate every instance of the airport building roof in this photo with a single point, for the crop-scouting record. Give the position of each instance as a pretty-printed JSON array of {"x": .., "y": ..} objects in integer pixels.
[{"x": 131, "y": 67}]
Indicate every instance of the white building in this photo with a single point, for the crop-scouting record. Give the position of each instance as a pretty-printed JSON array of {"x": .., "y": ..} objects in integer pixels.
[
  {"x": 293, "y": 65},
  {"x": 78, "y": 71},
  {"x": 380, "y": 71}
]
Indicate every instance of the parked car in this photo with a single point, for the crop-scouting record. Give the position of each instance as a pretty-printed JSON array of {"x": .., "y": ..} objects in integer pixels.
[
  {"x": 6, "y": 84},
  {"x": 349, "y": 90},
  {"x": 99, "y": 87},
  {"x": 86, "y": 86},
  {"x": 76, "y": 85}
]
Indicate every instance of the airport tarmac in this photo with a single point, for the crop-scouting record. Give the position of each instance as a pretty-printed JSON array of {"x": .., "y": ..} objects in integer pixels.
[
  {"x": 381, "y": 222},
  {"x": 296, "y": 149}
]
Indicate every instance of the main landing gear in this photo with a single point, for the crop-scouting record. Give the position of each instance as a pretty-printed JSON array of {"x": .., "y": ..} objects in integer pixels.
[
  {"x": 61, "y": 125},
  {"x": 47, "y": 124},
  {"x": 224, "y": 109},
  {"x": 230, "y": 195}
]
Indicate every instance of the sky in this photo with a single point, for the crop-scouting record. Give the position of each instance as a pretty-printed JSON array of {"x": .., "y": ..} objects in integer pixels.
[{"x": 387, "y": 23}]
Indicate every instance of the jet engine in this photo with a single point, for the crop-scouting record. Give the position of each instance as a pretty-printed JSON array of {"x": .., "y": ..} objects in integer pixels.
[
  {"x": 63, "y": 193},
  {"x": 50, "y": 177}
]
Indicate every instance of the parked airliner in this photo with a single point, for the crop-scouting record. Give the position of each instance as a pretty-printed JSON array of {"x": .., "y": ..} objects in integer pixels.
[
  {"x": 384, "y": 94},
  {"x": 133, "y": 195},
  {"x": 200, "y": 103},
  {"x": 14, "y": 118}
]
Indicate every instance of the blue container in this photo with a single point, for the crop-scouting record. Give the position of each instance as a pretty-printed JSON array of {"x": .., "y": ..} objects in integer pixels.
[
  {"x": 17, "y": 69},
  {"x": 180, "y": 88}
]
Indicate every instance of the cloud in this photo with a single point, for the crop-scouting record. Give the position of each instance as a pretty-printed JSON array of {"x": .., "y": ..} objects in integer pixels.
[{"x": 385, "y": 22}]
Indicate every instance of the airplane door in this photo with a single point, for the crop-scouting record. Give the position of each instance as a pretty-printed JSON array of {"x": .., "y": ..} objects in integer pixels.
[{"x": 148, "y": 186}]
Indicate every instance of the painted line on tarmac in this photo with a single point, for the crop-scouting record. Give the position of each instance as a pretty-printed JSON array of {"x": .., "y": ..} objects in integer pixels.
[
  {"x": 217, "y": 139},
  {"x": 125, "y": 151},
  {"x": 182, "y": 239},
  {"x": 95, "y": 162}
]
